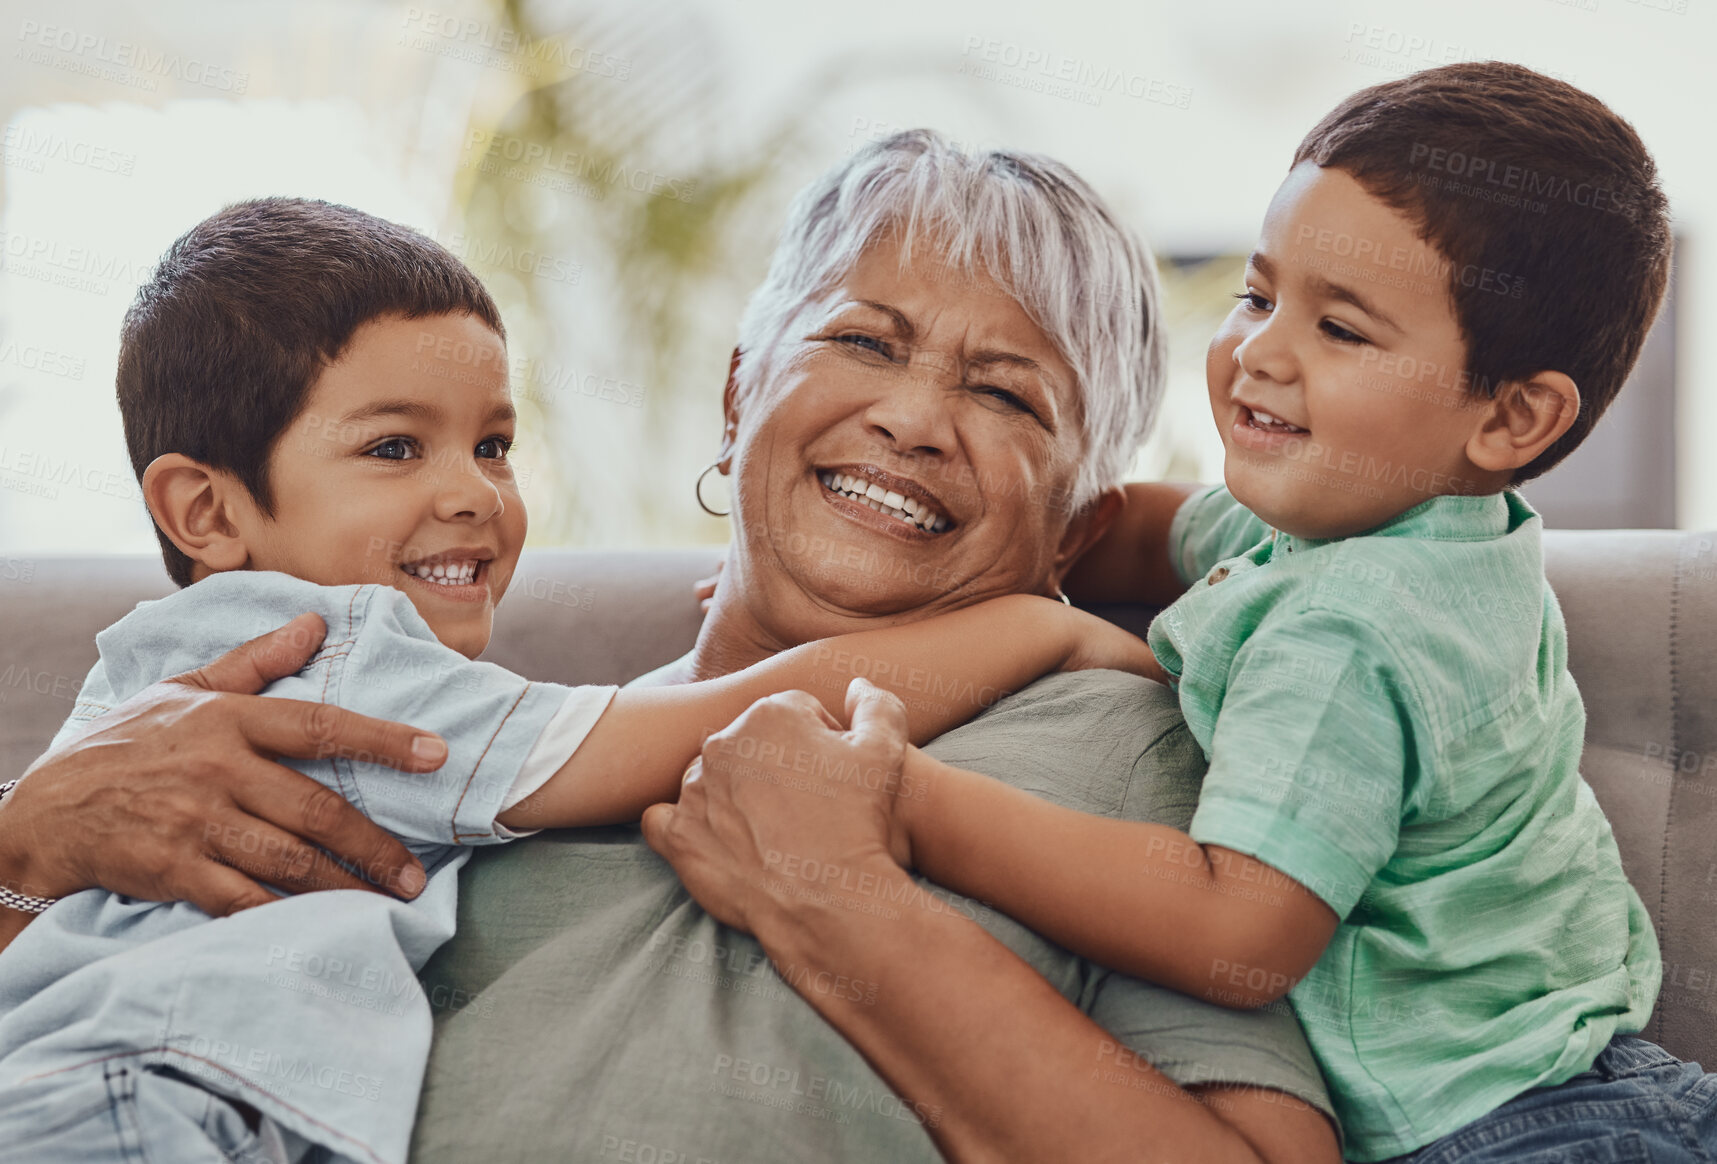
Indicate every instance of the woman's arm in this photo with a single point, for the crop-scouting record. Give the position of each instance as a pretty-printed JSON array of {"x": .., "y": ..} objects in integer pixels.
[
  {"x": 173, "y": 795},
  {"x": 997, "y": 1064}
]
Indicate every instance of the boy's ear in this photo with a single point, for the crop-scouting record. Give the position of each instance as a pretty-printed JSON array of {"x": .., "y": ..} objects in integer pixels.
[
  {"x": 195, "y": 507},
  {"x": 1525, "y": 418},
  {"x": 1084, "y": 530}
]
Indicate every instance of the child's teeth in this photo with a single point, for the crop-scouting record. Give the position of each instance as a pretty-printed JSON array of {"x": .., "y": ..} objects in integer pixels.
[{"x": 444, "y": 574}]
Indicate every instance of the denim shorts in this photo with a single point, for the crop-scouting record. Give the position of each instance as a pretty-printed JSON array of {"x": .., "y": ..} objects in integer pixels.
[
  {"x": 1638, "y": 1103},
  {"x": 114, "y": 1111}
]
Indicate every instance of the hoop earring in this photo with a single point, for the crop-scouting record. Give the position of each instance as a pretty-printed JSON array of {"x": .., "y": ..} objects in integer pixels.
[{"x": 698, "y": 490}]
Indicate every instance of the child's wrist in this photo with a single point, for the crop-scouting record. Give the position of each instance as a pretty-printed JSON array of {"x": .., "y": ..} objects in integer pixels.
[
  {"x": 924, "y": 783},
  {"x": 1056, "y": 623}
]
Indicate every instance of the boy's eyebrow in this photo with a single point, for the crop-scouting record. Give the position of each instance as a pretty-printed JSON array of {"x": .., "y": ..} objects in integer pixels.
[
  {"x": 1332, "y": 290},
  {"x": 419, "y": 410},
  {"x": 415, "y": 409},
  {"x": 1328, "y": 289}
]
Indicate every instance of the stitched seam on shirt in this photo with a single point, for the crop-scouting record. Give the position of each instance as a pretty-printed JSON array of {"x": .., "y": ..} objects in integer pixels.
[
  {"x": 1408, "y": 681},
  {"x": 346, "y": 783},
  {"x": 1405, "y": 676},
  {"x": 1447, "y": 730},
  {"x": 1178, "y": 552},
  {"x": 1132, "y": 771},
  {"x": 452, "y": 824},
  {"x": 332, "y": 650},
  {"x": 1361, "y": 1059},
  {"x": 238, "y": 1080}
]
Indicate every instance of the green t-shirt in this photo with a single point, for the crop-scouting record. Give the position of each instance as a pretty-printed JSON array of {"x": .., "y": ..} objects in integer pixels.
[
  {"x": 1390, "y": 721},
  {"x": 588, "y": 1009}
]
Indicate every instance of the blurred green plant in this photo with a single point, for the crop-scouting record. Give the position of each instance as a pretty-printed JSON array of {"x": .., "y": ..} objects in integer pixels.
[
  {"x": 665, "y": 270},
  {"x": 1198, "y": 293}
]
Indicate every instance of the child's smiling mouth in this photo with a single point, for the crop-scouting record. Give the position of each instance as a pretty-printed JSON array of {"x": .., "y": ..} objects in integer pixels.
[
  {"x": 1263, "y": 431},
  {"x": 1266, "y": 422},
  {"x": 461, "y": 575}
]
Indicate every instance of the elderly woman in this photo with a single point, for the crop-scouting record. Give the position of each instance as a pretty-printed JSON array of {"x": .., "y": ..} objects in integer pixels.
[{"x": 976, "y": 335}]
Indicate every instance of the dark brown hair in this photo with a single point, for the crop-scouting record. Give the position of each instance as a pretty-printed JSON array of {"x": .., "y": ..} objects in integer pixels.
[
  {"x": 222, "y": 344},
  {"x": 1538, "y": 192}
]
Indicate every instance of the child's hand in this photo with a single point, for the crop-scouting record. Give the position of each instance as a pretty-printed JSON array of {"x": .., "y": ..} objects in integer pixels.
[
  {"x": 704, "y": 588},
  {"x": 1101, "y": 645}
]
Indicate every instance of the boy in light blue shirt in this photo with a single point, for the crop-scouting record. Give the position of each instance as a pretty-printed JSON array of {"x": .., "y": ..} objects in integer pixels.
[
  {"x": 316, "y": 403},
  {"x": 1393, "y": 833}
]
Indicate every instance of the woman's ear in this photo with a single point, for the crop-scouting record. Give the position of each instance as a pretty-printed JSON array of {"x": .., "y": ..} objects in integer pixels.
[
  {"x": 729, "y": 412},
  {"x": 1084, "y": 530},
  {"x": 195, "y": 507},
  {"x": 1525, "y": 418}
]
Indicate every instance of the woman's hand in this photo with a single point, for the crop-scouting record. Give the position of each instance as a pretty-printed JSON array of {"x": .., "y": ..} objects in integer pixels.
[
  {"x": 783, "y": 805},
  {"x": 173, "y": 795},
  {"x": 1101, "y": 645}
]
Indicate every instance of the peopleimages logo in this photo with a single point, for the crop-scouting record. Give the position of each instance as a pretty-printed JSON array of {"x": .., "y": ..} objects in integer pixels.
[
  {"x": 1521, "y": 180},
  {"x": 87, "y": 52},
  {"x": 21, "y": 145},
  {"x": 1058, "y": 75},
  {"x": 1396, "y": 265},
  {"x": 491, "y": 152},
  {"x": 507, "y": 257},
  {"x": 814, "y": 1091},
  {"x": 492, "y": 44}
]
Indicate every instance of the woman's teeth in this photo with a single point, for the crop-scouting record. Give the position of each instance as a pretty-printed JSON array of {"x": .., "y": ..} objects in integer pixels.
[
  {"x": 444, "y": 573},
  {"x": 1265, "y": 420},
  {"x": 907, "y": 509}
]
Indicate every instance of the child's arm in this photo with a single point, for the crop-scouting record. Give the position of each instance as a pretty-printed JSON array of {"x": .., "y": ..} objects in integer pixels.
[
  {"x": 1131, "y": 562},
  {"x": 946, "y": 669},
  {"x": 1140, "y": 898}
]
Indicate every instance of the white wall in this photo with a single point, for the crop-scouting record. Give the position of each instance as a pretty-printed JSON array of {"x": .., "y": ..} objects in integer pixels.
[{"x": 1184, "y": 115}]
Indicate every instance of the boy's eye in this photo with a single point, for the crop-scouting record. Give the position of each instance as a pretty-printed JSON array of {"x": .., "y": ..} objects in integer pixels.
[
  {"x": 393, "y": 449},
  {"x": 1253, "y": 300},
  {"x": 1340, "y": 334},
  {"x": 498, "y": 447}
]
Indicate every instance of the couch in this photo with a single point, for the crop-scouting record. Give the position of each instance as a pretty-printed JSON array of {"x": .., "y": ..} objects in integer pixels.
[{"x": 1637, "y": 603}]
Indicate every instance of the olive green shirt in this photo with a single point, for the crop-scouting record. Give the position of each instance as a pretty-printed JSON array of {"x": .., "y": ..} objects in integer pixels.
[
  {"x": 588, "y": 1009},
  {"x": 1390, "y": 721}
]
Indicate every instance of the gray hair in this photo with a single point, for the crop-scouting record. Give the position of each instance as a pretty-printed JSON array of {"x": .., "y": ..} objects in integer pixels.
[{"x": 1029, "y": 223}]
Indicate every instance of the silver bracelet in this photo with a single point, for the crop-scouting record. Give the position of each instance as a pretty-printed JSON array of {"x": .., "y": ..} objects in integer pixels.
[{"x": 10, "y": 898}]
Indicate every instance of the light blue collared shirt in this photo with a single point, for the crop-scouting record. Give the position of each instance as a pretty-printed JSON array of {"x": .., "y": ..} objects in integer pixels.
[{"x": 307, "y": 1008}]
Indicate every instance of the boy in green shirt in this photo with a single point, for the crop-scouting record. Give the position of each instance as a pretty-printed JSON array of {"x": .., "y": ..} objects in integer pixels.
[{"x": 1449, "y": 287}]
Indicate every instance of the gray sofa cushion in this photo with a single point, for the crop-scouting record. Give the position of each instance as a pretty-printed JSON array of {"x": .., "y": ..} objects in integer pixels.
[{"x": 1638, "y": 605}]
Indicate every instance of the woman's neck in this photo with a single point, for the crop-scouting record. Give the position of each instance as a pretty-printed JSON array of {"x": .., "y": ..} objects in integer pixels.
[
  {"x": 731, "y": 639},
  {"x": 748, "y": 623}
]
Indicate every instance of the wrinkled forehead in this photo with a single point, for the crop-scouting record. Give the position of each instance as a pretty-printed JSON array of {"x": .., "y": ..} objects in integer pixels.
[{"x": 918, "y": 283}]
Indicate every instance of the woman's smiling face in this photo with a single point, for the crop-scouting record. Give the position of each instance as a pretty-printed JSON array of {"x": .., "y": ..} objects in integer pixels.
[{"x": 934, "y": 389}]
